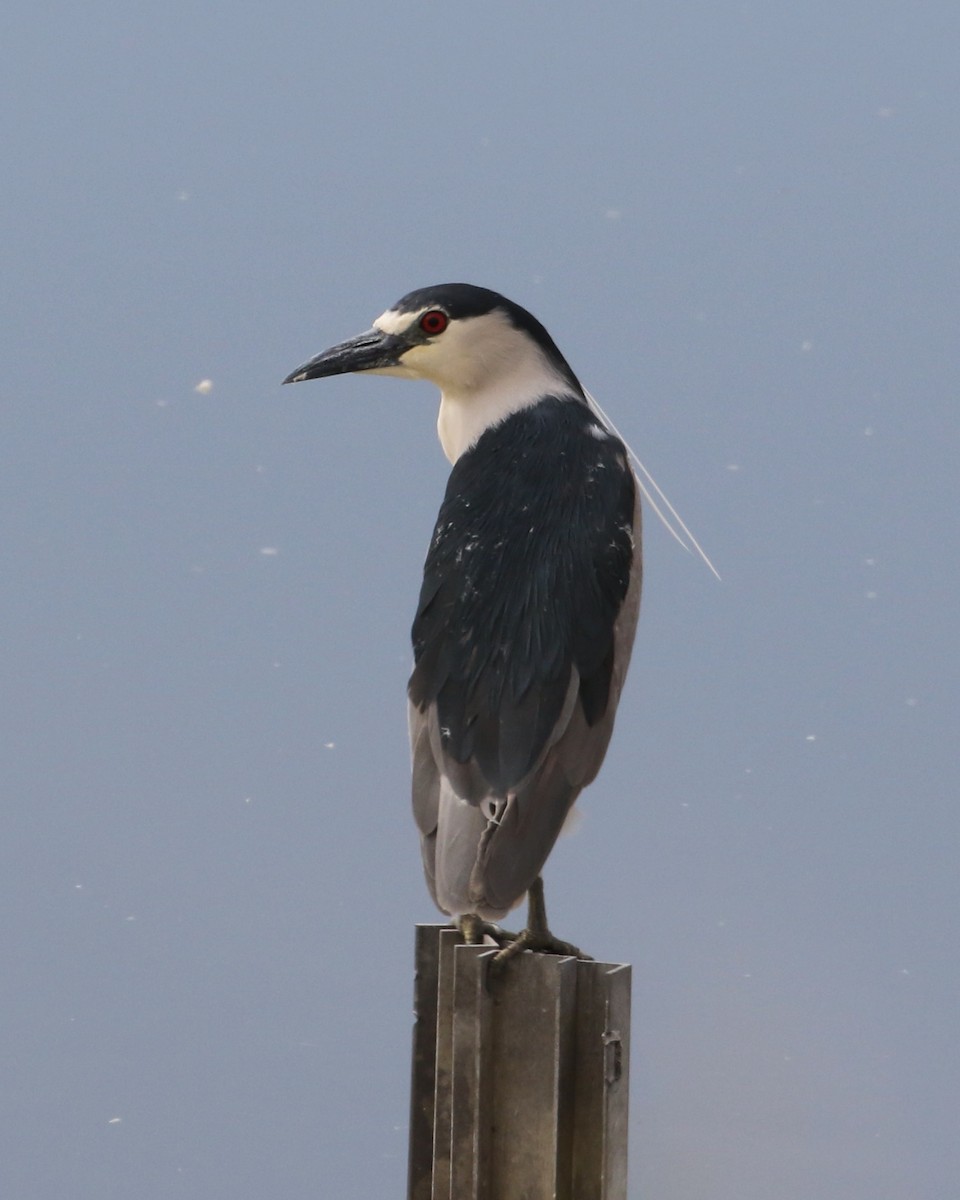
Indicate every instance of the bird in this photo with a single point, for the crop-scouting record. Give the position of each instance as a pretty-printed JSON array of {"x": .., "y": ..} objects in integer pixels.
[{"x": 526, "y": 616}]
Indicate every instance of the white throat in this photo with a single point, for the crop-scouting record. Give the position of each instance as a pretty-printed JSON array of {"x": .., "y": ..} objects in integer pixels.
[
  {"x": 465, "y": 414},
  {"x": 485, "y": 369}
]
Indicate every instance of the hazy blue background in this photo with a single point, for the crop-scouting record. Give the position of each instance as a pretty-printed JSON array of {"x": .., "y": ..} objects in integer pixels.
[{"x": 741, "y": 223}]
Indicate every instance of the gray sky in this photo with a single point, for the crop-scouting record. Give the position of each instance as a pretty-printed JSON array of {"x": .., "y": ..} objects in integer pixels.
[{"x": 740, "y": 223}]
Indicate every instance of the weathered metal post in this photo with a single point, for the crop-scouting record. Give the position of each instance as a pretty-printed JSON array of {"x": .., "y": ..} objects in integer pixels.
[{"x": 520, "y": 1079}]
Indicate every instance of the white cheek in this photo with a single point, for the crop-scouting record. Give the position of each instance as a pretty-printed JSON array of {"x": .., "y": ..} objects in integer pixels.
[
  {"x": 430, "y": 360},
  {"x": 399, "y": 371},
  {"x": 418, "y": 356}
]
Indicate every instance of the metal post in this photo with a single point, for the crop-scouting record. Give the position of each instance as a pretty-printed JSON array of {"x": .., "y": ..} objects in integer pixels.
[{"x": 520, "y": 1078}]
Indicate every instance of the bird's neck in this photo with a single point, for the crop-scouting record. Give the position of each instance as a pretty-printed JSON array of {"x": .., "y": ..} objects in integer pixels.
[{"x": 466, "y": 414}]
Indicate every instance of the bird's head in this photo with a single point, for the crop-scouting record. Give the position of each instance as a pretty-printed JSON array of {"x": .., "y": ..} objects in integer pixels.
[
  {"x": 488, "y": 356},
  {"x": 465, "y": 339}
]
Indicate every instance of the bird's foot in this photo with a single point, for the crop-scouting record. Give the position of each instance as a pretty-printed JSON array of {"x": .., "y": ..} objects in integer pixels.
[
  {"x": 475, "y": 929},
  {"x": 537, "y": 935},
  {"x": 540, "y": 942}
]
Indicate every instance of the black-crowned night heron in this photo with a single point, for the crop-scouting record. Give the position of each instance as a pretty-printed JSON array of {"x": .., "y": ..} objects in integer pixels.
[{"x": 531, "y": 589}]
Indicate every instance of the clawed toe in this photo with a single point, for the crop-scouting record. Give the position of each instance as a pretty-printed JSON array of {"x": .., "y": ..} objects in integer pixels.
[
  {"x": 475, "y": 929},
  {"x": 536, "y": 937},
  {"x": 540, "y": 943}
]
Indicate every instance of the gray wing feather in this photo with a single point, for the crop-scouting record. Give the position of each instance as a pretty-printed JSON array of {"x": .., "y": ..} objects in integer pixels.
[{"x": 481, "y": 854}]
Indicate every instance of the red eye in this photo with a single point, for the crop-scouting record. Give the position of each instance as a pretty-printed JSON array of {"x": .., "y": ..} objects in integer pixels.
[{"x": 434, "y": 322}]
